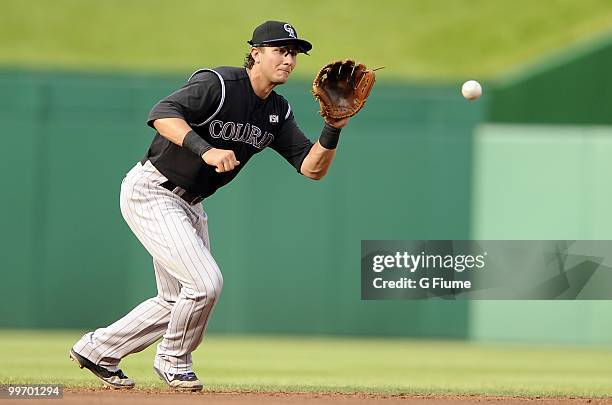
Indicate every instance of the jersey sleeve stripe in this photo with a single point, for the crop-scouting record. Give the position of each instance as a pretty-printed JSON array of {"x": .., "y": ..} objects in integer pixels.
[
  {"x": 222, "y": 95},
  {"x": 288, "y": 111}
]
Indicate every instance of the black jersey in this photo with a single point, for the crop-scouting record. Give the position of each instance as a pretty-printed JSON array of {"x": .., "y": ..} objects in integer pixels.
[{"x": 221, "y": 107}]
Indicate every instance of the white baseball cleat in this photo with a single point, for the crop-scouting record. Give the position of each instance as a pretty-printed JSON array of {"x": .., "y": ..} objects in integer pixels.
[
  {"x": 112, "y": 379},
  {"x": 181, "y": 382}
]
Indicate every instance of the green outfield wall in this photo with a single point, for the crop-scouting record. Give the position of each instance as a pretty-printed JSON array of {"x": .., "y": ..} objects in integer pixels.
[
  {"x": 542, "y": 170},
  {"x": 289, "y": 247},
  {"x": 571, "y": 87},
  {"x": 542, "y": 182}
]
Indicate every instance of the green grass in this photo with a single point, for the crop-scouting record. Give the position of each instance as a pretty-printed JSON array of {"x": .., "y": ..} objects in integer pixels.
[
  {"x": 413, "y": 38},
  {"x": 336, "y": 365}
]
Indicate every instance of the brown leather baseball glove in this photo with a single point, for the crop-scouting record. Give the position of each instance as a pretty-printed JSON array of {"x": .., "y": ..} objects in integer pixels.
[{"x": 342, "y": 88}]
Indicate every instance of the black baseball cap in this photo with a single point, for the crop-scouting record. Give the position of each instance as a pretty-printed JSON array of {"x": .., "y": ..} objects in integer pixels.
[{"x": 278, "y": 33}]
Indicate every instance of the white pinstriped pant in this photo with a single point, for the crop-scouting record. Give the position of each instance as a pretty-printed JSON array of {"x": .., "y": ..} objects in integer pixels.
[{"x": 188, "y": 279}]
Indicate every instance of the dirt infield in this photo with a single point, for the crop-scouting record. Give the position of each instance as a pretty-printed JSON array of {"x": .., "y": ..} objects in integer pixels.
[{"x": 105, "y": 396}]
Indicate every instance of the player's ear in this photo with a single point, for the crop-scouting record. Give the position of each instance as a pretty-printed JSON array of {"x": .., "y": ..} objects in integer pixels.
[{"x": 256, "y": 54}]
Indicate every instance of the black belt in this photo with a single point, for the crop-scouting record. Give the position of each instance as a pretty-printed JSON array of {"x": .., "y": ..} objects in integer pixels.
[{"x": 188, "y": 196}]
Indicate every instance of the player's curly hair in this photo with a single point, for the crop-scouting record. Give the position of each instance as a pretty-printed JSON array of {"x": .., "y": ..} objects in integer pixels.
[{"x": 248, "y": 61}]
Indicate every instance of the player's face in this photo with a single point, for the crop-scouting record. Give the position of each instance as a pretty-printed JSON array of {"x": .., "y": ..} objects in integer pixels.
[{"x": 277, "y": 63}]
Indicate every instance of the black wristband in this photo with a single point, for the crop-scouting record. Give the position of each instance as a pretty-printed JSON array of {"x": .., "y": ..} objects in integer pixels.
[
  {"x": 194, "y": 143},
  {"x": 329, "y": 136}
]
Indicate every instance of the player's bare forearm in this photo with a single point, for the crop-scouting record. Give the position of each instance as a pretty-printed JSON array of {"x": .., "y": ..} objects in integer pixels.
[
  {"x": 339, "y": 123},
  {"x": 319, "y": 159},
  {"x": 173, "y": 129},
  {"x": 317, "y": 162}
]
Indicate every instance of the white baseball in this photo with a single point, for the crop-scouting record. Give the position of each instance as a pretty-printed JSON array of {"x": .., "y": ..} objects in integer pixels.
[{"x": 471, "y": 90}]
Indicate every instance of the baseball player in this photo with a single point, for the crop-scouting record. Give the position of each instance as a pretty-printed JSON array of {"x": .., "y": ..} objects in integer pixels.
[{"x": 207, "y": 131}]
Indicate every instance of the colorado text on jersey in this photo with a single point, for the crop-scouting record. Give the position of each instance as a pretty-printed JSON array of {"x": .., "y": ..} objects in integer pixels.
[{"x": 239, "y": 132}]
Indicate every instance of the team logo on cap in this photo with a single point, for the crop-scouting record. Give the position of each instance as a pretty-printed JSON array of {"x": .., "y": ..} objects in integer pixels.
[{"x": 290, "y": 30}]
